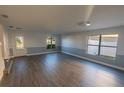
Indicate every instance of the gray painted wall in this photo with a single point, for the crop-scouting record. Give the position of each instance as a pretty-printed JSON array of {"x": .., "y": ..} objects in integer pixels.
[
  {"x": 76, "y": 43},
  {"x": 34, "y": 42}
]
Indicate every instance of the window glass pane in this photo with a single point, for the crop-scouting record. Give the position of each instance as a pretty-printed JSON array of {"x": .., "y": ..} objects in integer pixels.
[
  {"x": 109, "y": 40},
  {"x": 19, "y": 42},
  {"x": 93, "y": 50},
  {"x": 93, "y": 40},
  {"x": 48, "y": 40},
  {"x": 53, "y": 42},
  {"x": 108, "y": 51}
]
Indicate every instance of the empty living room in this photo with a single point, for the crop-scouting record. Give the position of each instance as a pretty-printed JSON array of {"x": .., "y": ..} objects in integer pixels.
[{"x": 61, "y": 46}]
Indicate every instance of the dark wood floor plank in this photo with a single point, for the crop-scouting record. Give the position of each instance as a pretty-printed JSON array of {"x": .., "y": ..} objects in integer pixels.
[{"x": 60, "y": 70}]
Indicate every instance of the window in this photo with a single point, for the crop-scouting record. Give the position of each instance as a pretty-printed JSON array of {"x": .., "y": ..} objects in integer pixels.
[
  {"x": 19, "y": 42},
  {"x": 103, "y": 45},
  {"x": 108, "y": 45},
  {"x": 93, "y": 45},
  {"x": 51, "y": 43}
]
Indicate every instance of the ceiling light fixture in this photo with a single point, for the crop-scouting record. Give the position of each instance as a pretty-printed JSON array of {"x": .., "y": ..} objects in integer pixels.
[{"x": 88, "y": 23}]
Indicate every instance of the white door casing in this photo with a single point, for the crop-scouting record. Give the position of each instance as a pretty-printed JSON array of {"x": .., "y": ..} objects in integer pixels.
[{"x": 1, "y": 62}]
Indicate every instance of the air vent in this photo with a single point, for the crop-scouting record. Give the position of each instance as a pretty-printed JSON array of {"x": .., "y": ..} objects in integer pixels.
[
  {"x": 10, "y": 26},
  {"x": 9, "y": 29},
  {"x": 4, "y": 16},
  {"x": 19, "y": 28}
]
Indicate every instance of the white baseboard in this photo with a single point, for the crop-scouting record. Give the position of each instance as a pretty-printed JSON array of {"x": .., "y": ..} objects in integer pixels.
[
  {"x": 96, "y": 61},
  {"x": 42, "y": 53}
]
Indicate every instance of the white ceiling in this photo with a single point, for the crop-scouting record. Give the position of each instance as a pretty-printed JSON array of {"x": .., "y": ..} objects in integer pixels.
[{"x": 61, "y": 18}]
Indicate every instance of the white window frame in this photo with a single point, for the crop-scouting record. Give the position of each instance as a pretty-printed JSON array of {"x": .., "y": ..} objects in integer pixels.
[
  {"x": 51, "y": 41},
  {"x": 99, "y": 46}
]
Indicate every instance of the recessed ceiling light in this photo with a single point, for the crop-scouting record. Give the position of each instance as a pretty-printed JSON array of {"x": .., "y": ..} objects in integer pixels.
[
  {"x": 87, "y": 23},
  {"x": 4, "y": 16}
]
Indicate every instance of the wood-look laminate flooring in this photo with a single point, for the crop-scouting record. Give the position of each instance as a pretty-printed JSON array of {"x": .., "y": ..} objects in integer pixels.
[{"x": 60, "y": 70}]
